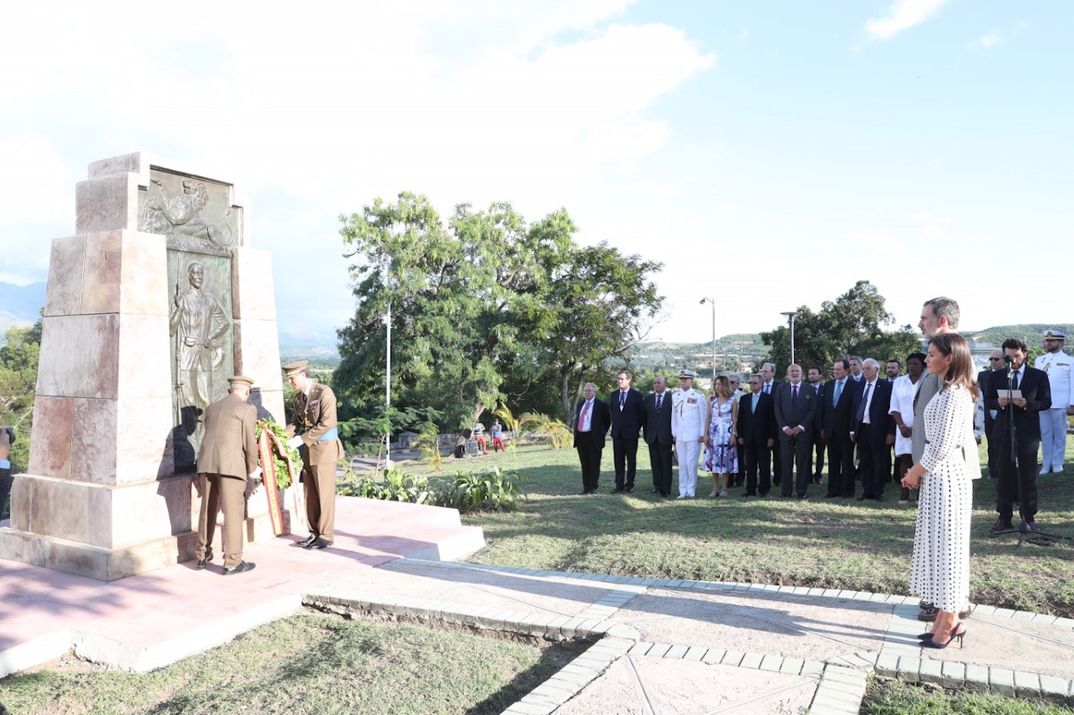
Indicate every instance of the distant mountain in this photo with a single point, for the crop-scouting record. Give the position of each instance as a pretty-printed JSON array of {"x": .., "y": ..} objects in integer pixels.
[
  {"x": 20, "y": 305},
  {"x": 1031, "y": 333}
]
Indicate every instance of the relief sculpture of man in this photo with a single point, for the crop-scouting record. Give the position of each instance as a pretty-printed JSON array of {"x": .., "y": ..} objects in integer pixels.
[{"x": 198, "y": 323}]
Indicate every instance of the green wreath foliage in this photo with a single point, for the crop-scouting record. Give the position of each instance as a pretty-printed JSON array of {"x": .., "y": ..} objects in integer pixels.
[{"x": 283, "y": 476}]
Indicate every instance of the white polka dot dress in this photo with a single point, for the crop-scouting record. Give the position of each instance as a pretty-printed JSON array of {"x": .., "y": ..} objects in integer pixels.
[{"x": 940, "y": 571}]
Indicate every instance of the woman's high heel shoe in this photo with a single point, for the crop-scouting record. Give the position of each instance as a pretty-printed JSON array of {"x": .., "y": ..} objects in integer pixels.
[{"x": 956, "y": 633}]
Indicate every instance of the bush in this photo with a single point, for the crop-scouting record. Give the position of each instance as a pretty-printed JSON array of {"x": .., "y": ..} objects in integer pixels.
[
  {"x": 488, "y": 490},
  {"x": 393, "y": 486}
]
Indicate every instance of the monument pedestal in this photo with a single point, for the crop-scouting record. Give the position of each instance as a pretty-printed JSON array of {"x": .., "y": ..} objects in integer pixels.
[{"x": 105, "y": 495}]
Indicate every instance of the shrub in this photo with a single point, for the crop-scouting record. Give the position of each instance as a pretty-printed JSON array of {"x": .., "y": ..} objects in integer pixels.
[
  {"x": 487, "y": 490},
  {"x": 428, "y": 443},
  {"x": 558, "y": 433},
  {"x": 393, "y": 486}
]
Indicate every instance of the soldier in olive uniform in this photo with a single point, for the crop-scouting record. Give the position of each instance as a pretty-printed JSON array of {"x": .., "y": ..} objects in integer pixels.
[
  {"x": 317, "y": 439},
  {"x": 228, "y": 456}
]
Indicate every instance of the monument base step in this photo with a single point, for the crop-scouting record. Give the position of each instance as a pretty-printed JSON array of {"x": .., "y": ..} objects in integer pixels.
[{"x": 111, "y": 564}]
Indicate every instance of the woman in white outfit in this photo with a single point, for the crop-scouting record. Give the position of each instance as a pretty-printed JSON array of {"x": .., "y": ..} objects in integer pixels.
[{"x": 940, "y": 572}]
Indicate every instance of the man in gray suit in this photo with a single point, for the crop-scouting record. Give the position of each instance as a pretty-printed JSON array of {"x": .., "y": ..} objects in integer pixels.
[
  {"x": 796, "y": 403},
  {"x": 938, "y": 315}
]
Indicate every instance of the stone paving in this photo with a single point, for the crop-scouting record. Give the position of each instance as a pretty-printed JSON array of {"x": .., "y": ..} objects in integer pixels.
[{"x": 655, "y": 645}]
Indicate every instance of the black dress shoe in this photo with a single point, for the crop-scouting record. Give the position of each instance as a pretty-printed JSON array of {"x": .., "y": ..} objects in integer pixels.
[
  {"x": 861, "y": 498},
  {"x": 243, "y": 567},
  {"x": 201, "y": 564},
  {"x": 583, "y": 492},
  {"x": 319, "y": 543},
  {"x": 630, "y": 489},
  {"x": 307, "y": 541},
  {"x": 1002, "y": 525},
  {"x": 618, "y": 490},
  {"x": 1028, "y": 527}
]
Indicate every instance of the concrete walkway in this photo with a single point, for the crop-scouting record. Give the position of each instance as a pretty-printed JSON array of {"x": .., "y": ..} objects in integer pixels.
[{"x": 657, "y": 646}]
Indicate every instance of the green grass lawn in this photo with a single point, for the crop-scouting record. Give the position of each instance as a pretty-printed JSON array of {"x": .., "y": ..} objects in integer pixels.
[
  {"x": 816, "y": 542},
  {"x": 888, "y": 697},
  {"x": 308, "y": 663}
]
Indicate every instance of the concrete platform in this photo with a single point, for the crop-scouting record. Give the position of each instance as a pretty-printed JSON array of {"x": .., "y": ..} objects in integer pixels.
[{"x": 149, "y": 620}]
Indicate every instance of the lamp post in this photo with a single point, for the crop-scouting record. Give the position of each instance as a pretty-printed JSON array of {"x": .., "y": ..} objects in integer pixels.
[
  {"x": 713, "y": 302},
  {"x": 388, "y": 369},
  {"x": 791, "y": 315}
]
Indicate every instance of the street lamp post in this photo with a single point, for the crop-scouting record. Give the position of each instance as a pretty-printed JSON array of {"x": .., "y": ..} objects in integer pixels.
[
  {"x": 791, "y": 315},
  {"x": 388, "y": 370},
  {"x": 713, "y": 302}
]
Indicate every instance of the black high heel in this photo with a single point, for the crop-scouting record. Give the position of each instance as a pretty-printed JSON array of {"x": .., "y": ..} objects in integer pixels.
[{"x": 956, "y": 633}]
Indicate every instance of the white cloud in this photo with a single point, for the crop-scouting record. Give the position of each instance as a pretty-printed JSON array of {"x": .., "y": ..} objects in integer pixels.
[
  {"x": 317, "y": 112},
  {"x": 988, "y": 41},
  {"x": 902, "y": 15}
]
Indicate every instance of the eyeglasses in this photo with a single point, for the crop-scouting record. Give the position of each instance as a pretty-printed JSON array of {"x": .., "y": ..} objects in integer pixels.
[{"x": 992, "y": 359}]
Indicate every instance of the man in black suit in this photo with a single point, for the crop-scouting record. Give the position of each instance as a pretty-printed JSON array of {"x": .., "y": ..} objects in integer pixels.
[
  {"x": 769, "y": 383},
  {"x": 795, "y": 407},
  {"x": 757, "y": 434},
  {"x": 591, "y": 421},
  {"x": 872, "y": 429},
  {"x": 813, "y": 375},
  {"x": 1017, "y": 453},
  {"x": 628, "y": 415},
  {"x": 657, "y": 426},
  {"x": 835, "y": 416},
  {"x": 984, "y": 378}
]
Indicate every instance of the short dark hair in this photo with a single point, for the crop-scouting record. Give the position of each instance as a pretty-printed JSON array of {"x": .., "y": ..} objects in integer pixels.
[
  {"x": 894, "y": 360},
  {"x": 943, "y": 307},
  {"x": 1015, "y": 344},
  {"x": 916, "y": 356},
  {"x": 845, "y": 361}
]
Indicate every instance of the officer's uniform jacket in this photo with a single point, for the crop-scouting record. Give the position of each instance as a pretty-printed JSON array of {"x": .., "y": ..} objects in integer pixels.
[
  {"x": 689, "y": 408},
  {"x": 315, "y": 423},
  {"x": 229, "y": 446},
  {"x": 1058, "y": 366}
]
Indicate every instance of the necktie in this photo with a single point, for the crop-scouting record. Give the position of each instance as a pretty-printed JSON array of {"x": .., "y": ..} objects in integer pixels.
[
  {"x": 838, "y": 391},
  {"x": 582, "y": 415},
  {"x": 864, "y": 402},
  {"x": 756, "y": 399},
  {"x": 1015, "y": 382},
  {"x": 794, "y": 394},
  {"x": 767, "y": 387},
  {"x": 659, "y": 399},
  {"x": 622, "y": 400}
]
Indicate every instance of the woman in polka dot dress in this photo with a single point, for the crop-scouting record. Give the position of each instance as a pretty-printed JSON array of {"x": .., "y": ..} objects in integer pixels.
[{"x": 940, "y": 572}]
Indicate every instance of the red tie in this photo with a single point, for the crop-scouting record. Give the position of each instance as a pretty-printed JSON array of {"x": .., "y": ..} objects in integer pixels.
[{"x": 582, "y": 415}]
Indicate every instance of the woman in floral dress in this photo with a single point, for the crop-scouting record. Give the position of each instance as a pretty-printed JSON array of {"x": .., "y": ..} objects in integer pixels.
[{"x": 721, "y": 455}]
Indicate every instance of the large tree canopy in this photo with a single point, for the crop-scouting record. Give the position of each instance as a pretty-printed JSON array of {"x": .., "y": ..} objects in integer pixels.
[
  {"x": 484, "y": 309},
  {"x": 851, "y": 325}
]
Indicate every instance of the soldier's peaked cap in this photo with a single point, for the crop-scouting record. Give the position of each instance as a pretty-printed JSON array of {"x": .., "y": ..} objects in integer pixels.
[{"x": 295, "y": 367}]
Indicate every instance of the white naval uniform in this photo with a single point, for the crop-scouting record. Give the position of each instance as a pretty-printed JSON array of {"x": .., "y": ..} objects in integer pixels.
[
  {"x": 1053, "y": 422},
  {"x": 689, "y": 409}
]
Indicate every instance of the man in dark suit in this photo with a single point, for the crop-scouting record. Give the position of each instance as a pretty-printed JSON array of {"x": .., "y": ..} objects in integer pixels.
[
  {"x": 757, "y": 434},
  {"x": 1016, "y": 456},
  {"x": 628, "y": 415},
  {"x": 813, "y": 375},
  {"x": 984, "y": 378},
  {"x": 657, "y": 426},
  {"x": 795, "y": 407},
  {"x": 769, "y": 383},
  {"x": 591, "y": 421},
  {"x": 872, "y": 429},
  {"x": 834, "y": 421}
]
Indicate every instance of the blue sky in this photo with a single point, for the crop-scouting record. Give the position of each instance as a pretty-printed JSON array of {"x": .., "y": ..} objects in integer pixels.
[{"x": 770, "y": 154}]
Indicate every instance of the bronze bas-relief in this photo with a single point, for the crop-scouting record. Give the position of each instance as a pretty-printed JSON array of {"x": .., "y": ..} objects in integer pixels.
[{"x": 195, "y": 214}]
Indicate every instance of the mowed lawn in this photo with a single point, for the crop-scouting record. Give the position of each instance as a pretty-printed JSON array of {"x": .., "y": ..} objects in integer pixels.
[{"x": 816, "y": 542}]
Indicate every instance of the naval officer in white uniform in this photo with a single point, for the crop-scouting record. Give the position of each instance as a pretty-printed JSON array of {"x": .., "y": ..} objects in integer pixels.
[
  {"x": 689, "y": 408},
  {"x": 1053, "y": 422}
]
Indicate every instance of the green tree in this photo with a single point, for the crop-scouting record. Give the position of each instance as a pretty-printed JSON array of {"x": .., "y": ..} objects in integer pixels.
[{"x": 852, "y": 324}]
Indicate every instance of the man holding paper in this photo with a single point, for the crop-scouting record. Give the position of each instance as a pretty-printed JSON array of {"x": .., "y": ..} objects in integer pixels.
[{"x": 317, "y": 439}]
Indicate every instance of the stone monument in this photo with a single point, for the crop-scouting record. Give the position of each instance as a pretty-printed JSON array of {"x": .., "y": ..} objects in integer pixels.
[{"x": 150, "y": 307}]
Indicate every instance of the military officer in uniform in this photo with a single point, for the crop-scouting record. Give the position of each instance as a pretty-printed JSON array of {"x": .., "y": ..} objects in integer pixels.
[
  {"x": 317, "y": 439},
  {"x": 227, "y": 457},
  {"x": 689, "y": 409},
  {"x": 1053, "y": 421}
]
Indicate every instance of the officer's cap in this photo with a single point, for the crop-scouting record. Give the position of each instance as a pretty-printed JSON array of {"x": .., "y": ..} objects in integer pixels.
[
  {"x": 1055, "y": 334},
  {"x": 687, "y": 375},
  {"x": 240, "y": 380},
  {"x": 293, "y": 368}
]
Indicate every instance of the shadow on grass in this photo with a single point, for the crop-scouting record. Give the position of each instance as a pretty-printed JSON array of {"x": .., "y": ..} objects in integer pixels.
[{"x": 553, "y": 658}]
